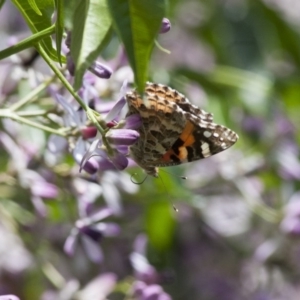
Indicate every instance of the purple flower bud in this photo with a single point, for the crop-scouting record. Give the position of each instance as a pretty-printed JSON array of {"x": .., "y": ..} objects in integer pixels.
[
  {"x": 122, "y": 136},
  {"x": 120, "y": 161},
  {"x": 100, "y": 70},
  {"x": 111, "y": 124},
  {"x": 105, "y": 165},
  {"x": 133, "y": 121},
  {"x": 165, "y": 25},
  {"x": 68, "y": 39},
  {"x": 91, "y": 166},
  {"x": 89, "y": 132},
  {"x": 70, "y": 64}
]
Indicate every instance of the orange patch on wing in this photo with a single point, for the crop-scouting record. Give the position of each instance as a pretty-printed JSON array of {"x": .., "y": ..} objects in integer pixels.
[
  {"x": 167, "y": 156},
  {"x": 188, "y": 139},
  {"x": 186, "y": 136}
]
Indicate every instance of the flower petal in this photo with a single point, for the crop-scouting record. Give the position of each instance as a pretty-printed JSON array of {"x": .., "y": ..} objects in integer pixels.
[
  {"x": 125, "y": 137},
  {"x": 92, "y": 249}
]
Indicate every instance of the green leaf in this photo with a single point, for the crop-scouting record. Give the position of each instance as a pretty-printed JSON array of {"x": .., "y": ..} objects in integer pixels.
[
  {"x": 137, "y": 23},
  {"x": 1, "y": 3},
  {"x": 37, "y": 22},
  {"x": 91, "y": 28},
  {"x": 34, "y": 7},
  {"x": 59, "y": 26},
  {"x": 160, "y": 224},
  {"x": 69, "y": 9}
]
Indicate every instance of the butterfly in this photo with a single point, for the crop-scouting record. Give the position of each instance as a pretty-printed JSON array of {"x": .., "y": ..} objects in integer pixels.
[{"x": 173, "y": 130}]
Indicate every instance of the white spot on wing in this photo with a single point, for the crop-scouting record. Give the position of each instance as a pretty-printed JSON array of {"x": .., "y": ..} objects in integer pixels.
[
  {"x": 207, "y": 134},
  {"x": 205, "y": 150}
]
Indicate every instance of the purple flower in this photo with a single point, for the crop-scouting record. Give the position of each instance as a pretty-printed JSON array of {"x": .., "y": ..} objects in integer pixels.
[
  {"x": 287, "y": 156},
  {"x": 165, "y": 25},
  {"x": 90, "y": 230},
  {"x": 291, "y": 221},
  {"x": 39, "y": 188},
  {"x": 146, "y": 286}
]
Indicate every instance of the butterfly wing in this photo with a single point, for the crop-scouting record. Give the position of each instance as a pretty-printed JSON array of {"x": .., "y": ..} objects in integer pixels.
[
  {"x": 162, "y": 123},
  {"x": 174, "y": 131}
]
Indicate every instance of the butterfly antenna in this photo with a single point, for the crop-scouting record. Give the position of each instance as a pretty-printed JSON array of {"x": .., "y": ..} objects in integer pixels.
[
  {"x": 135, "y": 182},
  {"x": 181, "y": 177},
  {"x": 174, "y": 207}
]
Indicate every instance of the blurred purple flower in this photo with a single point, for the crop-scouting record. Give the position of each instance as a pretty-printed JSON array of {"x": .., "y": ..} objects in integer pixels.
[
  {"x": 39, "y": 188},
  {"x": 146, "y": 286},
  {"x": 98, "y": 288},
  {"x": 142, "y": 291},
  {"x": 287, "y": 156},
  {"x": 253, "y": 124},
  {"x": 291, "y": 221},
  {"x": 9, "y": 297},
  {"x": 91, "y": 230}
]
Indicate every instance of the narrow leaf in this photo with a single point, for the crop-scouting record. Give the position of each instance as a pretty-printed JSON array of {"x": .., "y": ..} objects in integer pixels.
[
  {"x": 37, "y": 22},
  {"x": 59, "y": 27},
  {"x": 34, "y": 7},
  {"x": 91, "y": 27},
  {"x": 137, "y": 23}
]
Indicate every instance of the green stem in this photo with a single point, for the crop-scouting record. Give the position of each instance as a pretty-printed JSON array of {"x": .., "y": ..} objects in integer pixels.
[
  {"x": 32, "y": 95},
  {"x": 257, "y": 206},
  {"x": 27, "y": 43},
  {"x": 68, "y": 86},
  {"x": 61, "y": 77},
  {"x": 157, "y": 44},
  {"x": 30, "y": 113},
  {"x": 6, "y": 113}
]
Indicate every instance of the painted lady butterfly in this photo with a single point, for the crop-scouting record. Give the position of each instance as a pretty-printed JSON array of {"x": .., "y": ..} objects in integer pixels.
[{"x": 173, "y": 131}]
